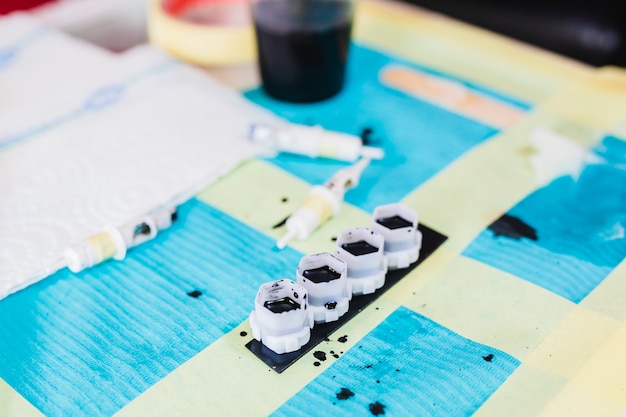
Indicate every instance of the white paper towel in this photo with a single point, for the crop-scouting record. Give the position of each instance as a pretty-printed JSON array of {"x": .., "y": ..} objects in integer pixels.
[
  {"x": 115, "y": 145},
  {"x": 36, "y": 60}
]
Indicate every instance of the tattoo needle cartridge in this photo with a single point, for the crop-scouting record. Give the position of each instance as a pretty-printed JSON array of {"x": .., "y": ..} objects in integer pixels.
[
  {"x": 313, "y": 141},
  {"x": 323, "y": 202}
]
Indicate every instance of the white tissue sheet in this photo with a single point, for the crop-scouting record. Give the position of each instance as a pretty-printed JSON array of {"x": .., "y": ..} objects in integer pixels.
[
  {"x": 36, "y": 60},
  {"x": 141, "y": 131}
]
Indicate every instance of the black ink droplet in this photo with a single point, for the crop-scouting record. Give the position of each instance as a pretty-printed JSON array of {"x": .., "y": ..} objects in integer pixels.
[
  {"x": 284, "y": 199},
  {"x": 488, "y": 358},
  {"x": 343, "y": 339},
  {"x": 320, "y": 355},
  {"x": 377, "y": 408},
  {"x": 513, "y": 228},
  {"x": 280, "y": 223},
  {"x": 194, "y": 293},
  {"x": 316, "y": 363},
  {"x": 243, "y": 334},
  {"x": 366, "y": 134},
  {"x": 344, "y": 394}
]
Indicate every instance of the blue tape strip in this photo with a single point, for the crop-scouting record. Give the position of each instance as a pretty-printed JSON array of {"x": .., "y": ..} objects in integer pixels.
[{"x": 407, "y": 366}]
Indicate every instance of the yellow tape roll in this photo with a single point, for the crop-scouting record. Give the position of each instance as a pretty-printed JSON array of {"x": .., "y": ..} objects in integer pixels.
[{"x": 203, "y": 32}]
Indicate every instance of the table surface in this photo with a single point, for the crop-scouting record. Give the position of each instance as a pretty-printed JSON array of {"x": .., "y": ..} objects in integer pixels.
[{"x": 515, "y": 155}]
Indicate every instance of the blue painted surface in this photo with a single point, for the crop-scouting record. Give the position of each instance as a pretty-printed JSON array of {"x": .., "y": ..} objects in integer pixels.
[
  {"x": 88, "y": 343},
  {"x": 419, "y": 138},
  {"x": 580, "y": 227},
  {"x": 410, "y": 365}
]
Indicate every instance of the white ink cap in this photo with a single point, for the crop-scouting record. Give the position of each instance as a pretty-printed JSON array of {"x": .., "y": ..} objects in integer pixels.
[
  {"x": 398, "y": 225},
  {"x": 362, "y": 250},
  {"x": 96, "y": 249},
  {"x": 325, "y": 278},
  {"x": 281, "y": 319}
]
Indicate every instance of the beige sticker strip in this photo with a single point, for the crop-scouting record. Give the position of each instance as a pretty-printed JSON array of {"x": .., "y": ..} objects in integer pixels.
[
  {"x": 597, "y": 102},
  {"x": 608, "y": 298},
  {"x": 566, "y": 350},
  {"x": 13, "y": 404},
  {"x": 525, "y": 393},
  {"x": 605, "y": 372},
  {"x": 490, "y": 306},
  {"x": 452, "y": 96},
  {"x": 576, "y": 400}
]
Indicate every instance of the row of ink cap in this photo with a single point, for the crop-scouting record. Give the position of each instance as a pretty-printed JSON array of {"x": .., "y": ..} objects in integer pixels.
[{"x": 285, "y": 311}]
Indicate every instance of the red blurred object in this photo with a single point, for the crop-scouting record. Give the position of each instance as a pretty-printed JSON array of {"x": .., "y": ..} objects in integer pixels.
[{"x": 8, "y": 6}]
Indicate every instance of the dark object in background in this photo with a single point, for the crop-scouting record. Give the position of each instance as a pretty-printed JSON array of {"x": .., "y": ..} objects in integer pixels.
[
  {"x": 303, "y": 47},
  {"x": 593, "y": 32}
]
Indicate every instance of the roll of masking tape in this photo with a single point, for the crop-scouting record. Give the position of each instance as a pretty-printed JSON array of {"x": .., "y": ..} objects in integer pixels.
[{"x": 203, "y": 32}]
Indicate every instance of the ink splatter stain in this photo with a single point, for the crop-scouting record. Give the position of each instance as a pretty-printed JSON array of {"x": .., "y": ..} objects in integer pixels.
[
  {"x": 243, "y": 334},
  {"x": 333, "y": 239},
  {"x": 194, "y": 294},
  {"x": 344, "y": 394},
  {"x": 316, "y": 363},
  {"x": 284, "y": 199},
  {"x": 280, "y": 223},
  {"x": 488, "y": 358},
  {"x": 513, "y": 228},
  {"x": 366, "y": 135},
  {"x": 377, "y": 408},
  {"x": 320, "y": 355},
  {"x": 343, "y": 339}
]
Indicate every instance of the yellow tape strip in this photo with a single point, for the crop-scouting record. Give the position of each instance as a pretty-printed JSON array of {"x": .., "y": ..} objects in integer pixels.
[{"x": 203, "y": 44}]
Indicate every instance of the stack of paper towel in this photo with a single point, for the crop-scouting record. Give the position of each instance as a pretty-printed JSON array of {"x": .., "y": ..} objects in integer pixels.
[{"x": 89, "y": 138}]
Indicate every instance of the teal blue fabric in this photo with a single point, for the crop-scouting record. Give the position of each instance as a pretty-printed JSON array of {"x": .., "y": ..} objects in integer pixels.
[{"x": 407, "y": 366}]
